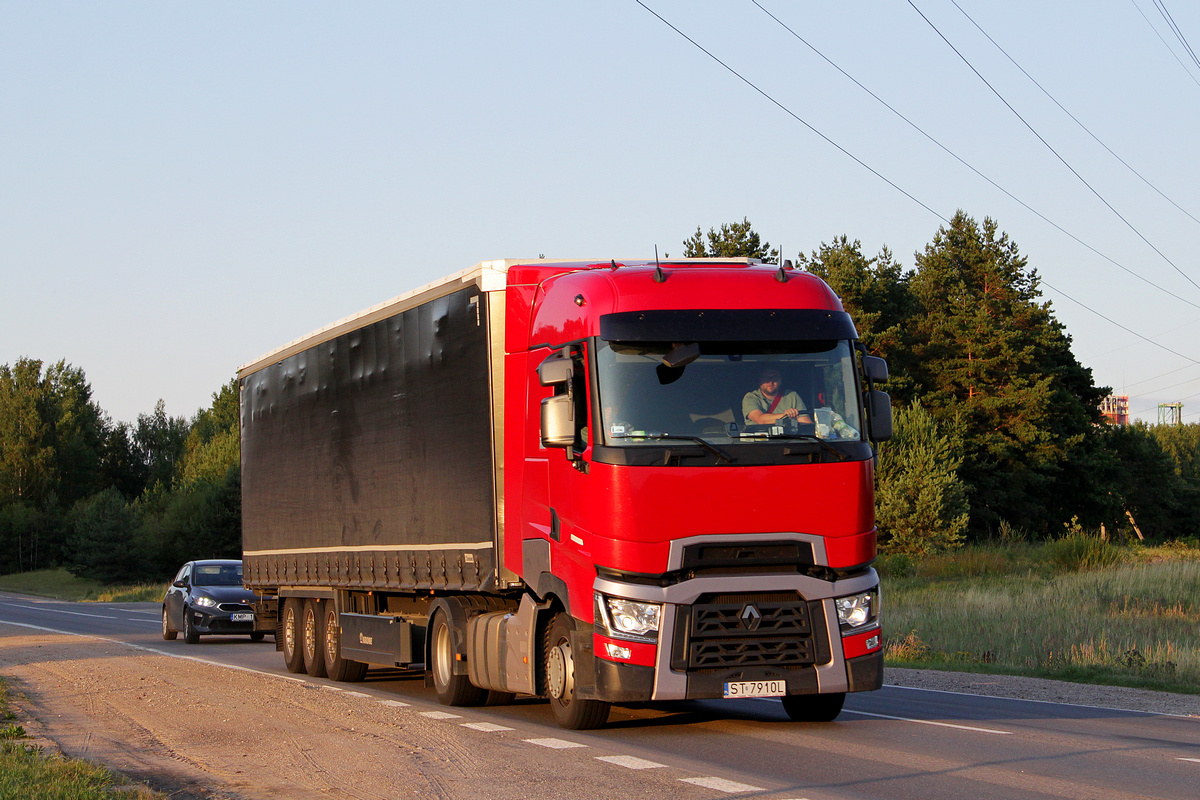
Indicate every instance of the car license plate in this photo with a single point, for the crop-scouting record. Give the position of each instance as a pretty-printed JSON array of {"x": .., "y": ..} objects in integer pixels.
[
  {"x": 244, "y": 617},
  {"x": 756, "y": 689}
]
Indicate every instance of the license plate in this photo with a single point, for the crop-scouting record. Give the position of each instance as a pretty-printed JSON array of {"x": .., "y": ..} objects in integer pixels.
[
  {"x": 244, "y": 617},
  {"x": 756, "y": 689}
]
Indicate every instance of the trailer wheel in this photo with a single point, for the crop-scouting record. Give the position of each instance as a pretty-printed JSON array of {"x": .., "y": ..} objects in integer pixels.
[
  {"x": 569, "y": 711},
  {"x": 336, "y": 667},
  {"x": 452, "y": 690},
  {"x": 312, "y": 638},
  {"x": 169, "y": 633},
  {"x": 293, "y": 656},
  {"x": 814, "y": 707}
]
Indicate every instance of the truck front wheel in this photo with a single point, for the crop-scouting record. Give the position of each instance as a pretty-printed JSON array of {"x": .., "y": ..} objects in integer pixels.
[
  {"x": 569, "y": 710},
  {"x": 452, "y": 690},
  {"x": 290, "y": 622},
  {"x": 814, "y": 707}
]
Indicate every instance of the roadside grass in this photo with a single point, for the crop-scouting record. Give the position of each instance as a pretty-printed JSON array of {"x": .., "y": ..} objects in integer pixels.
[
  {"x": 1073, "y": 609},
  {"x": 62, "y": 585},
  {"x": 26, "y": 773}
]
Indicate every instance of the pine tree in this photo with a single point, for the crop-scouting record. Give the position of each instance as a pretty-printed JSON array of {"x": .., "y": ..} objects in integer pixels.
[
  {"x": 921, "y": 503},
  {"x": 987, "y": 348}
]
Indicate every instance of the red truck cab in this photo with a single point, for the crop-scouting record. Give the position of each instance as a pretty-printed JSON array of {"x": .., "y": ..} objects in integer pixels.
[{"x": 691, "y": 552}]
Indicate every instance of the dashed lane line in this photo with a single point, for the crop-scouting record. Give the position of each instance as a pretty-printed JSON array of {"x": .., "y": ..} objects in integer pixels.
[
  {"x": 631, "y": 762},
  {"x": 440, "y": 715},
  {"x": 555, "y": 744},
  {"x": 722, "y": 785},
  {"x": 486, "y": 727},
  {"x": 62, "y": 611}
]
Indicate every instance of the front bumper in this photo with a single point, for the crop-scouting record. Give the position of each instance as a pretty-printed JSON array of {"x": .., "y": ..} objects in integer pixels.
[{"x": 701, "y": 646}]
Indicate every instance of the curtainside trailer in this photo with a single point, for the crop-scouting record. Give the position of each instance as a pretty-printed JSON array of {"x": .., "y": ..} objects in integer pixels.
[{"x": 594, "y": 482}]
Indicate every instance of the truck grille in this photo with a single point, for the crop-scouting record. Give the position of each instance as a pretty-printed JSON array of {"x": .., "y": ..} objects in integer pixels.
[{"x": 778, "y": 629}]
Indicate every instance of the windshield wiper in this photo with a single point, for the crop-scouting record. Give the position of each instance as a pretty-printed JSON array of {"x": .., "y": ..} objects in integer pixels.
[
  {"x": 808, "y": 437},
  {"x": 707, "y": 445}
]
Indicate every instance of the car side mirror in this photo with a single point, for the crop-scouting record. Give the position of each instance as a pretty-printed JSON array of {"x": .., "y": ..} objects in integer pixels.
[{"x": 180, "y": 584}]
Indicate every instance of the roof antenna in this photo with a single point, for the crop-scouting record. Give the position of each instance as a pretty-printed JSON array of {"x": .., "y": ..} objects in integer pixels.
[
  {"x": 614, "y": 263},
  {"x": 659, "y": 275}
]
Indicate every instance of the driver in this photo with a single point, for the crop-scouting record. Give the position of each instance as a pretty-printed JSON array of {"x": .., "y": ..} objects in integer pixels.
[{"x": 769, "y": 403}]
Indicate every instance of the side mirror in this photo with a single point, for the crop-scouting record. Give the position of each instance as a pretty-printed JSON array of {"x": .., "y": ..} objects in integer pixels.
[
  {"x": 557, "y": 368},
  {"x": 180, "y": 584},
  {"x": 875, "y": 368},
  {"x": 558, "y": 421},
  {"x": 879, "y": 410}
]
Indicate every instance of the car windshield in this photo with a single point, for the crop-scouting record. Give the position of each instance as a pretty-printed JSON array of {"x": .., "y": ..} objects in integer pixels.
[
  {"x": 714, "y": 396},
  {"x": 217, "y": 575}
]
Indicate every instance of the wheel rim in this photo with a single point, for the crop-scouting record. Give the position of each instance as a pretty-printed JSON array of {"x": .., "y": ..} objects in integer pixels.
[
  {"x": 331, "y": 637},
  {"x": 166, "y": 627},
  {"x": 442, "y": 654},
  {"x": 310, "y": 635},
  {"x": 560, "y": 671},
  {"x": 289, "y": 630}
]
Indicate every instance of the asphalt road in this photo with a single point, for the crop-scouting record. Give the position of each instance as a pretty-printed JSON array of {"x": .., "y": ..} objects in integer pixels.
[{"x": 895, "y": 743}]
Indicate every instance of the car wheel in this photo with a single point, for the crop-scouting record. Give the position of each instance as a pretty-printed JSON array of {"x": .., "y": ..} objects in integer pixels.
[
  {"x": 312, "y": 638},
  {"x": 559, "y": 663},
  {"x": 336, "y": 667},
  {"x": 190, "y": 634},
  {"x": 293, "y": 656},
  {"x": 814, "y": 707},
  {"x": 168, "y": 632},
  {"x": 451, "y": 689}
]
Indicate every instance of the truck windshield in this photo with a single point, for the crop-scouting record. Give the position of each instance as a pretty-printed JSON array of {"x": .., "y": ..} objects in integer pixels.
[{"x": 714, "y": 396}]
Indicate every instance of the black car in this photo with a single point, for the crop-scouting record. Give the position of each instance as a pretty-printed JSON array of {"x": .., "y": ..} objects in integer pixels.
[{"x": 207, "y": 597}]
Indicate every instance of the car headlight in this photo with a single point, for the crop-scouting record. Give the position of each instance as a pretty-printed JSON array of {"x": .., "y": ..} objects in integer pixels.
[
  {"x": 857, "y": 611},
  {"x": 628, "y": 618},
  {"x": 206, "y": 602}
]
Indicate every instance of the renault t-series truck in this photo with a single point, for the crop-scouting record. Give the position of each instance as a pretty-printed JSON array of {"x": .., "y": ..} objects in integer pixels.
[{"x": 595, "y": 482}]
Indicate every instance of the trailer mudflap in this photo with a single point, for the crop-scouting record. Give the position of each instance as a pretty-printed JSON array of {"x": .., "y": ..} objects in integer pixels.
[{"x": 387, "y": 641}]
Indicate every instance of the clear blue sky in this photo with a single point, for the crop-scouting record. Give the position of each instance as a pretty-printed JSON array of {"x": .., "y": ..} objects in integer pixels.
[{"x": 185, "y": 186}]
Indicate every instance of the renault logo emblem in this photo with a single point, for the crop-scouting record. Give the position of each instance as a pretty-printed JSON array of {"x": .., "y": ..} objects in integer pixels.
[{"x": 750, "y": 617}]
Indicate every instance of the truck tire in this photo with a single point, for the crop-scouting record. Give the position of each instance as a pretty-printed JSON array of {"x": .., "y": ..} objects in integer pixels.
[
  {"x": 336, "y": 667},
  {"x": 290, "y": 622},
  {"x": 559, "y": 662},
  {"x": 190, "y": 634},
  {"x": 169, "y": 633},
  {"x": 451, "y": 689},
  {"x": 814, "y": 707},
  {"x": 312, "y": 638}
]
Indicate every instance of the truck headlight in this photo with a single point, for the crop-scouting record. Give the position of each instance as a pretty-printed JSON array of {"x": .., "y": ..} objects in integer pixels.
[
  {"x": 857, "y": 611},
  {"x": 628, "y": 618}
]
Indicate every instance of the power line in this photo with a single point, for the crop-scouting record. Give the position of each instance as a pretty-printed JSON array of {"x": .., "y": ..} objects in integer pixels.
[
  {"x": 792, "y": 114},
  {"x": 874, "y": 172},
  {"x": 1075, "y": 119},
  {"x": 1032, "y": 130},
  {"x": 1162, "y": 9},
  {"x": 960, "y": 160},
  {"x": 1164, "y": 41}
]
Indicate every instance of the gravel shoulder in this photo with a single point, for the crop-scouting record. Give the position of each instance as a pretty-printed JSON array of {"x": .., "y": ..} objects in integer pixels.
[{"x": 1022, "y": 688}]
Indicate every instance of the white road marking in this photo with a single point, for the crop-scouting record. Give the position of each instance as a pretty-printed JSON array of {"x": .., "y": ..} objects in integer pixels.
[
  {"x": 928, "y": 722},
  {"x": 630, "y": 762},
  {"x": 61, "y": 611},
  {"x": 486, "y": 727},
  {"x": 555, "y": 744},
  {"x": 393, "y": 703},
  {"x": 440, "y": 715},
  {"x": 1195, "y": 760},
  {"x": 1027, "y": 700},
  {"x": 722, "y": 785},
  {"x": 355, "y": 694}
]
